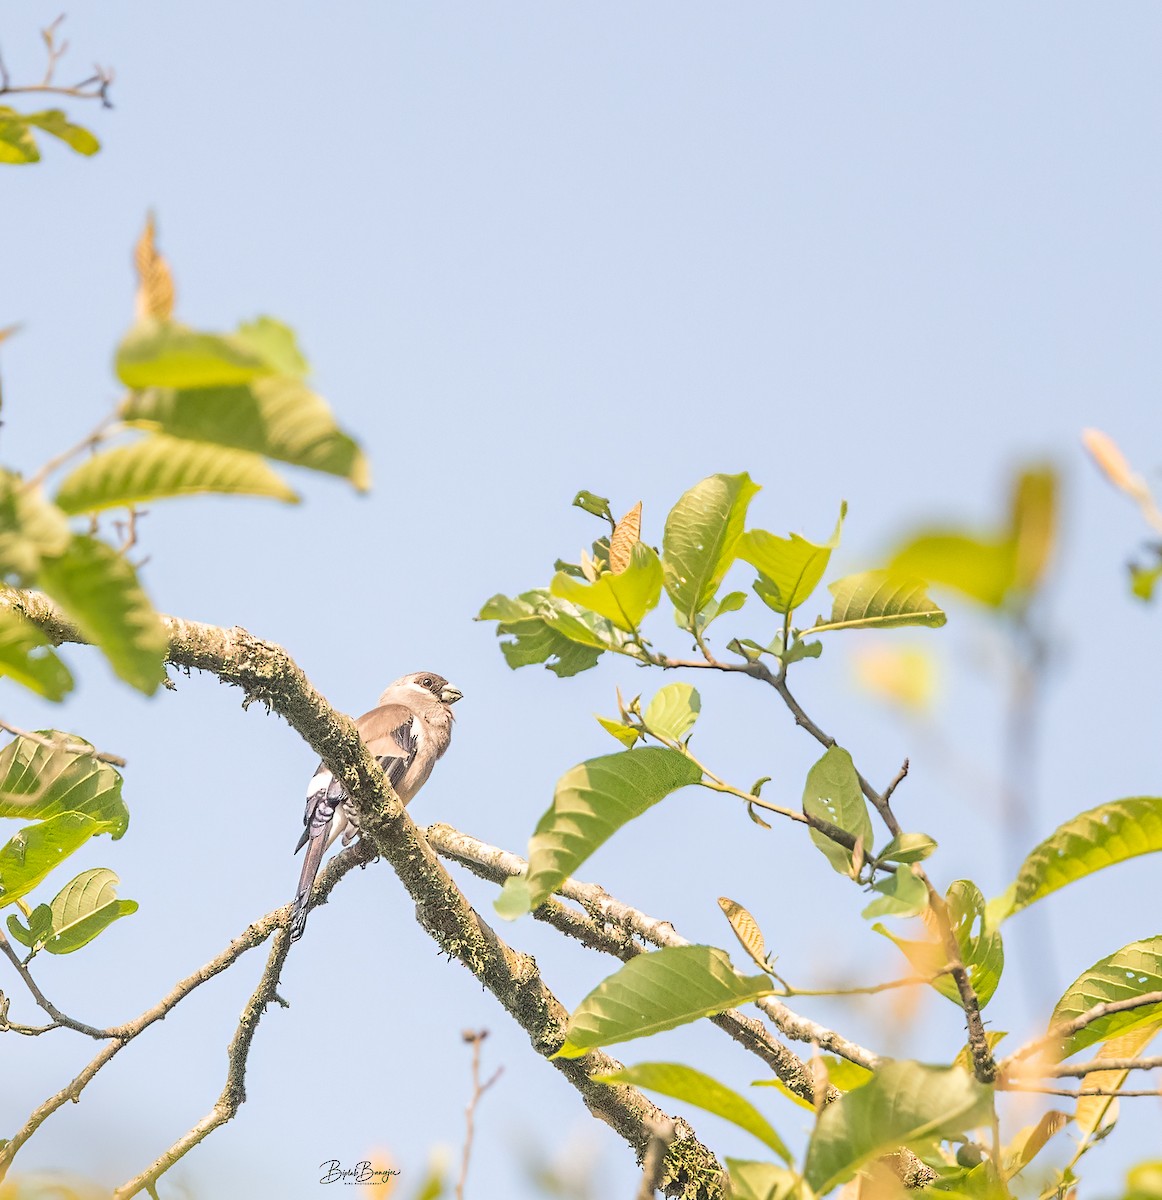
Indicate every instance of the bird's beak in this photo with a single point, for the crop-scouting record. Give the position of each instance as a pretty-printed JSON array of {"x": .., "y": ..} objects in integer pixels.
[{"x": 450, "y": 694}]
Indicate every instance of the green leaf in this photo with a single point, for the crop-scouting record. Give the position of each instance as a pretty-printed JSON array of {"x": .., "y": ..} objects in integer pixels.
[
  {"x": 156, "y": 467},
  {"x": 729, "y": 603},
  {"x": 701, "y": 538},
  {"x": 800, "y": 649},
  {"x": 17, "y": 145},
  {"x": 98, "y": 590},
  {"x": 901, "y": 895},
  {"x": 1033, "y": 524},
  {"x": 907, "y": 848},
  {"x": 878, "y": 600},
  {"x": 592, "y": 801},
  {"x": 55, "y": 122},
  {"x": 83, "y": 908},
  {"x": 168, "y": 355},
  {"x": 30, "y": 527},
  {"x": 27, "y": 658},
  {"x": 277, "y": 416},
  {"x": 673, "y": 710},
  {"x": 693, "y": 1087},
  {"x": 545, "y": 629},
  {"x": 1099, "y": 838},
  {"x": 981, "y": 948},
  {"x": 906, "y": 1104},
  {"x": 624, "y": 598},
  {"x": 832, "y": 793},
  {"x": 38, "y": 781},
  {"x": 38, "y": 928},
  {"x": 789, "y": 568},
  {"x": 276, "y": 344},
  {"x": 760, "y": 1180},
  {"x": 33, "y": 852},
  {"x": 627, "y": 735},
  {"x": 1134, "y": 970},
  {"x": 598, "y": 506},
  {"x": 657, "y": 991},
  {"x": 1143, "y": 580},
  {"x": 979, "y": 568}
]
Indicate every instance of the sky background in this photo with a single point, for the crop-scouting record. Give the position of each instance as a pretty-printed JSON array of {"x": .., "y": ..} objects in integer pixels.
[{"x": 882, "y": 253}]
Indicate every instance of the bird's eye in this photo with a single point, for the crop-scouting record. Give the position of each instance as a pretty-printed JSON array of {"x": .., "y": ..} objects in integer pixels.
[{"x": 426, "y": 681}]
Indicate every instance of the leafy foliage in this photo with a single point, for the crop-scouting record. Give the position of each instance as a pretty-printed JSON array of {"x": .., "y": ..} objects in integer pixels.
[
  {"x": 789, "y": 568},
  {"x": 18, "y": 143}
]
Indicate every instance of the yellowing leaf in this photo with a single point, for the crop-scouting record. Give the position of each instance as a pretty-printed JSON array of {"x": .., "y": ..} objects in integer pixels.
[
  {"x": 626, "y": 535},
  {"x": 746, "y": 929},
  {"x": 1034, "y": 524},
  {"x": 1094, "y": 1111},
  {"x": 155, "y": 287},
  {"x": 904, "y": 675}
]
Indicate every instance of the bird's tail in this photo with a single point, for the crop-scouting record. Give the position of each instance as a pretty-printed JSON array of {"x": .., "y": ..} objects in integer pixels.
[{"x": 315, "y": 848}]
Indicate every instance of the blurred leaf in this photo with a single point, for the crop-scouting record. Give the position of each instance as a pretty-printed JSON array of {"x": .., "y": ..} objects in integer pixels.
[
  {"x": 746, "y": 929},
  {"x": 1144, "y": 1181},
  {"x": 99, "y": 591},
  {"x": 1143, "y": 580},
  {"x": 27, "y": 658},
  {"x": 543, "y": 629},
  {"x": 905, "y": 1104},
  {"x": 598, "y": 506},
  {"x": 878, "y": 600},
  {"x": 85, "y": 907},
  {"x": 841, "y": 1074},
  {"x": 32, "y": 853},
  {"x": 626, "y": 535},
  {"x": 627, "y": 735},
  {"x": 1134, "y": 970},
  {"x": 168, "y": 355},
  {"x": 693, "y": 1087},
  {"x": 1094, "y": 1111},
  {"x": 17, "y": 145},
  {"x": 155, "y": 285},
  {"x": 789, "y": 568},
  {"x": 54, "y": 122},
  {"x": 1113, "y": 465},
  {"x": 38, "y": 781},
  {"x": 981, "y": 569},
  {"x": 673, "y": 711},
  {"x": 592, "y": 801},
  {"x": 900, "y": 895},
  {"x": 623, "y": 598},
  {"x": 701, "y": 538},
  {"x": 276, "y": 344},
  {"x": 157, "y": 466},
  {"x": 1034, "y": 524},
  {"x": 760, "y": 1180},
  {"x": 907, "y": 848},
  {"x": 277, "y": 416},
  {"x": 832, "y": 793},
  {"x": 904, "y": 675},
  {"x": 659, "y": 990},
  {"x": 30, "y": 527},
  {"x": 1101, "y": 837},
  {"x": 39, "y": 926}
]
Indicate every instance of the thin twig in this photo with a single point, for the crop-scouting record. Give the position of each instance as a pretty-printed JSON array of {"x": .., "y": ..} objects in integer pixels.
[
  {"x": 1066, "y": 1029},
  {"x": 475, "y": 1038},
  {"x": 96, "y": 87},
  {"x": 1077, "y": 1093},
  {"x": 59, "y": 1019},
  {"x": 98, "y": 435},
  {"x": 79, "y": 748},
  {"x": 1102, "y": 1064}
]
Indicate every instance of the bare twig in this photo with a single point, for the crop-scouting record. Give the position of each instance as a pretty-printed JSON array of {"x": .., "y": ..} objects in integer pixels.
[
  {"x": 59, "y": 1020},
  {"x": 79, "y": 748},
  {"x": 1101, "y": 1064},
  {"x": 1076, "y": 1093},
  {"x": 88, "y": 442},
  {"x": 96, "y": 87},
  {"x": 475, "y": 1038},
  {"x": 1066, "y": 1029}
]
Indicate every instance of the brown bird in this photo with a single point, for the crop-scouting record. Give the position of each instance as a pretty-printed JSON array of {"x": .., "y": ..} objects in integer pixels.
[{"x": 407, "y": 732}]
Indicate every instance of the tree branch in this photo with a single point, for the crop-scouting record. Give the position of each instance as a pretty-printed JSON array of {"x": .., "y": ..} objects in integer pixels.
[
  {"x": 59, "y": 1020},
  {"x": 266, "y": 673},
  {"x": 1067, "y": 1029}
]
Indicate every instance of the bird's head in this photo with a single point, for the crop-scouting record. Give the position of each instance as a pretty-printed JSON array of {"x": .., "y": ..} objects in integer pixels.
[{"x": 428, "y": 684}]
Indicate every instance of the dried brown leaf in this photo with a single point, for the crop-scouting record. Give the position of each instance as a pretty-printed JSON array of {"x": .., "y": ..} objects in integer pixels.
[
  {"x": 746, "y": 929},
  {"x": 626, "y": 535},
  {"x": 155, "y": 286}
]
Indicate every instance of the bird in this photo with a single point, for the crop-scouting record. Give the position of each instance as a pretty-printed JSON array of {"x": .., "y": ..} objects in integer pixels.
[{"x": 407, "y": 732}]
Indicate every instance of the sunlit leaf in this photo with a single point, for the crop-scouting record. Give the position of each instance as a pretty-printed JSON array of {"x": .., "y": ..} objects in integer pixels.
[
  {"x": 39, "y": 781},
  {"x": 27, "y": 658},
  {"x": 30, "y": 527},
  {"x": 1099, "y": 838},
  {"x": 17, "y": 145},
  {"x": 38, "y": 928},
  {"x": 878, "y": 600},
  {"x": 99, "y": 591},
  {"x": 157, "y": 467},
  {"x": 155, "y": 284},
  {"x": 627, "y": 735},
  {"x": 597, "y": 506},
  {"x": 592, "y": 801},
  {"x": 83, "y": 908},
  {"x": 789, "y": 568},
  {"x": 746, "y": 929},
  {"x": 906, "y": 1104},
  {"x": 982, "y": 569},
  {"x": 907, "y": 848},
  {"x": 55, "y": 122},
  {"x": 1034, "y": 524},
  {"x": 832, "y": 793},
  {"x": 673, "y": 711},
  {"x": 1095, "y": 1111},
  {"x": 277, "y": 416},
  {"x": 1134, "y": 970},
  {"x": 538, "y": 628},
  {"x": 701, "y": 539},
  {"x": 276, "y": 344},
  {"x": 626, "y": 535},
  {"x": 729, "y": 603},
  {"x": 657, "y": 991},
  {"x": 902, "y": 894},
  {"x": 623, "y": 598},
  {"x": 165, "y": 354},
  {"x": 693, "y": 1087},
  {"x": 760, "y": 1180},
  {"x": 32, "y": 853}
]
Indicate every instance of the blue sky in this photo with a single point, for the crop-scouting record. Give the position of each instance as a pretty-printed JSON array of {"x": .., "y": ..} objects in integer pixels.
[{"x": 874, "y": 253}]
